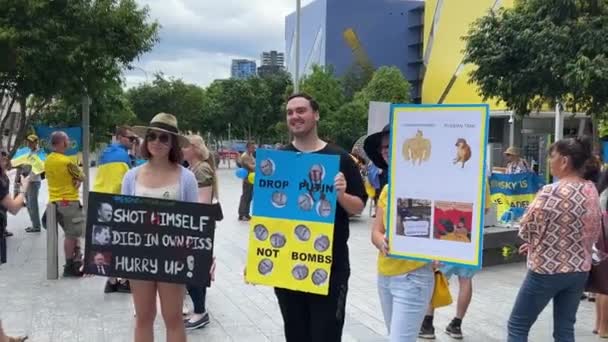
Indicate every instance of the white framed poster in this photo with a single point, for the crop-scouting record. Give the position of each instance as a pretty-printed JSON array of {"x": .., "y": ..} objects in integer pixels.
[{"x": 437, "y": 180}]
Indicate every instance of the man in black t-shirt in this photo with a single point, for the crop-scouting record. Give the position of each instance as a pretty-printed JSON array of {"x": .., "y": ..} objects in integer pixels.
[{"x": 310, "y": 317}]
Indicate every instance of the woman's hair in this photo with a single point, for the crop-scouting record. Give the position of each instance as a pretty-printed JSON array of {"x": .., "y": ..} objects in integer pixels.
[
  {"x": 175, "y": 154},
  {"x": 3, "y": 176},
  {"x": 198, "y": 144},
  {"x": 579, "y": 151}
]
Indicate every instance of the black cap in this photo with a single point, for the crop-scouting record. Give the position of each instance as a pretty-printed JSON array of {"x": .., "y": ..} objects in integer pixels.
[{"x": 371, "y": 146}]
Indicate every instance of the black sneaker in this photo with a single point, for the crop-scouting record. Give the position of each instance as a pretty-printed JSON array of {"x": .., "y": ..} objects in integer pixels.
[
  {"x": 72, "y": 269},
  {"x": 427, "y": 332},
  {"x": 123, "y": 286},
  {"x": 7, "y": 233},
  {"x": 109, "y": 288},
  {"x": 197, "y": 324},
  {"x": 454, "y": 331},
  {"x": 32, "y": 230}
]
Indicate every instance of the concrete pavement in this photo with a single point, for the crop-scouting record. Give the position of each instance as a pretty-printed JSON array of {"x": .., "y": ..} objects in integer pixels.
[{"x": 77, "y": 310}]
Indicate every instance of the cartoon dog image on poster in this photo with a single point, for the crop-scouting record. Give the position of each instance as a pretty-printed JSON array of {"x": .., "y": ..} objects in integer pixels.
[
  {"x": 463, "y": 152},
  {"x": 417, "y": 149}
]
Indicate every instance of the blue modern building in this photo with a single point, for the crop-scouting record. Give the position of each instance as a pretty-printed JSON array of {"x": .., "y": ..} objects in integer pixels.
[
  {"x": 242, "y": 69},
  {"x": 344, "y": 33}
]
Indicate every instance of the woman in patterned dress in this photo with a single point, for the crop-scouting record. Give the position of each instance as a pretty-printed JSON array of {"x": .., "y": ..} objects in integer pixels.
[{"x": 559, "y": 230}]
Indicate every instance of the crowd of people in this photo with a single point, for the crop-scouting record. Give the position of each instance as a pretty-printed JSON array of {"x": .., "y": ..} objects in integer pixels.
[{"x": 560, "y": 229}]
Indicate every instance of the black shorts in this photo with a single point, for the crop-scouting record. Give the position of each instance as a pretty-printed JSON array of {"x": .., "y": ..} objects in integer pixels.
[{"x": 309, "y": 317}]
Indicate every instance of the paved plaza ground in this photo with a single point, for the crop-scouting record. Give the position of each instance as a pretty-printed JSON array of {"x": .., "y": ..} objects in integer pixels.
[{"x": 67, "y": 310}]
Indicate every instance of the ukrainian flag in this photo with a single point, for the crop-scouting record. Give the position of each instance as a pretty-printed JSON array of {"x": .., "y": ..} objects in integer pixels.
[
  {"x": 113, "y": 163},
  {"x": 24, "y": 156}
]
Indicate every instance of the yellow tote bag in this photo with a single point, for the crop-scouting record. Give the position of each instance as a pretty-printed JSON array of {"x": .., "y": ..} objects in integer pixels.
[
  {"x": 441, "y": 292},
  {"x": 369, "y": 189}
]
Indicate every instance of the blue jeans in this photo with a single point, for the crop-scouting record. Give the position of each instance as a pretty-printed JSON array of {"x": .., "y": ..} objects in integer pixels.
[
  {"x": 404, "y": 299},
  {"x": 535, "y": 293}
]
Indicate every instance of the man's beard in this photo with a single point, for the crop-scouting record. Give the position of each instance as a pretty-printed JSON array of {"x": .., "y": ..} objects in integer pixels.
[{"x": 304, "y": 133}]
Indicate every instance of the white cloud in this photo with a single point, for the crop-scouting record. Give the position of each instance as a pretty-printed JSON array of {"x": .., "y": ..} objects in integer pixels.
[{"x": 199, "y": 38}]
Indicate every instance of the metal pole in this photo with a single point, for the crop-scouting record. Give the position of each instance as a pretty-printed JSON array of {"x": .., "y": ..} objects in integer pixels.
[
  {"x": 512, "y": 130},
  {"x": 296, "y": 78},
  {"x": 52, "y": 256},
  {"x": 86, "y": 102},
  {"x": 229, "y": 144},
  {"x": 559, "y": 130}
]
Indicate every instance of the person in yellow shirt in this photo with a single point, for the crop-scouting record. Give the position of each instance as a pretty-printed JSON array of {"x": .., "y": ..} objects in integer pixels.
[
  {"x": 64, "y": 178},
  {"x": 405, "y": 287}
]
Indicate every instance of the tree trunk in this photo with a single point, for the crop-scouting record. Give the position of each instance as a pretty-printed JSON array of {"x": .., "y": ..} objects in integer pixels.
[
  {"x": 6, "y": 114},
  {"x": 21, "y": 130}
]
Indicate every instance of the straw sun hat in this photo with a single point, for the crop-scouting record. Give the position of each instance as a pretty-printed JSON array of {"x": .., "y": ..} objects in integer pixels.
[
  {"x": 512, "y": 151},
  {"x": 165, "y": 123}
]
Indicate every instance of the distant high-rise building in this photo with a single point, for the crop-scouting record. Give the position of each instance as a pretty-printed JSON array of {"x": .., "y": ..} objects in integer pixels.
[
  {"x": 273, "y": 58},
  {"x": 272, "y": 63},
  {"x": 242, "y": 68}
]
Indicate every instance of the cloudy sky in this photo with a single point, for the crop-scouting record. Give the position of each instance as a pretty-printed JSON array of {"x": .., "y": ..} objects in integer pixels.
[{"x": 198, "y": 38}]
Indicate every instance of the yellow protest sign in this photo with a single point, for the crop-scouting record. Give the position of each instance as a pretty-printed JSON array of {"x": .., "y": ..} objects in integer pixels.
[{"x": 290, "y": 254}]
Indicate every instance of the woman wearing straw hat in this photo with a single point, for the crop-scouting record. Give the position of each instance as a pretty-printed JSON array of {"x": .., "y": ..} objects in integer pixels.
[
  {"x": 515, "y": 164},
  {"x": 161, "y": 177},
  {"x": 201, "y": 163}
]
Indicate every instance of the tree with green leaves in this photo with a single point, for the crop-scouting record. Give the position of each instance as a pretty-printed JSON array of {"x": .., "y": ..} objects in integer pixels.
[
  {"x": 56, "y": 49},
  {"x": 185, "y": 101},
  {"x": 109, "y": 110},
  {"x": 355, "y": 79},
  {"x": 542, "y": 52},
  {"x": 387, "y": 85},
  {"x": 324, "y": 87}
]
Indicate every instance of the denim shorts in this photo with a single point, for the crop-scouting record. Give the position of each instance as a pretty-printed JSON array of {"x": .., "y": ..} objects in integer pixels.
[{"x": 463, "y": 272}]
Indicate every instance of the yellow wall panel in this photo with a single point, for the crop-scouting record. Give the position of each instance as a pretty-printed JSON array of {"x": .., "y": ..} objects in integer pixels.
[
  {"x": 429, "y": 11},
  {"x": 446, "y": 54}
]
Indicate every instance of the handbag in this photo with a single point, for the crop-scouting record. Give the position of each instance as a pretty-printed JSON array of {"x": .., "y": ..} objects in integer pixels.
[
  {"x": 598, "y": 276},
  {"x": 219, "y": 214},
  {"x": 441, "y": 292}
]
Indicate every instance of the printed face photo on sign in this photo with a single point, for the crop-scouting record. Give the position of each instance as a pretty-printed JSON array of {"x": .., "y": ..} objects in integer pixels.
[
  {"x": 413, "y": 218},
  {"x": 99, "y": 263},
  {"x": 453, "y": 221},
  {"x": 104, "y": 212},
  {"x": 267, "y": 167},
  {"x": 102, "y": 235},
  {"x": 316, "y": 174}
]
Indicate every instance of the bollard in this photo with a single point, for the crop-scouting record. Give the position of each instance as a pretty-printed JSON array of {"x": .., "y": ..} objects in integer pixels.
[{"x": 52, "y": 257}]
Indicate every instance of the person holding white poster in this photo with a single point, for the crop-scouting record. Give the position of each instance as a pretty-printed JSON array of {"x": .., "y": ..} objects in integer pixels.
[
  {"x": 405, "y": 286},
  {"x": 430, "y": 220}
]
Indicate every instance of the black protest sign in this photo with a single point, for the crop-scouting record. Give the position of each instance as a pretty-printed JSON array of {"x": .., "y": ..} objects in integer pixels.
[{"x": 150, "y": 239}]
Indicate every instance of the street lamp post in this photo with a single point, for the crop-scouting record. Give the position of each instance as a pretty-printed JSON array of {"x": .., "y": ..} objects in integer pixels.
[
  {"x": 86, "y": 148},
  {"x": 296, "y": 86}
]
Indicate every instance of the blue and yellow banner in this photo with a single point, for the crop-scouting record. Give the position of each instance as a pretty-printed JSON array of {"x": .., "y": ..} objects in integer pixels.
[
  {"x": 291, "y": 232},
  {"x": 514, "y": 192},
  {"x": 74, "y": 133},
  {"x": 24, "y": 156}
]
